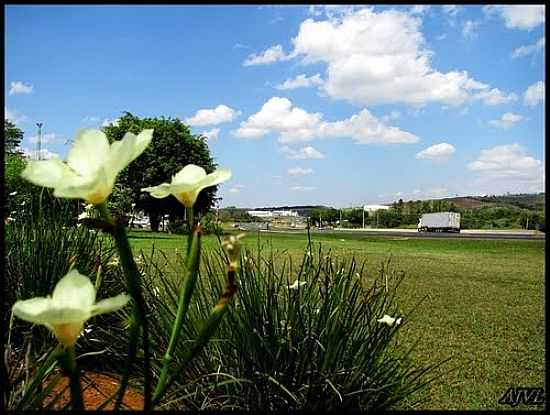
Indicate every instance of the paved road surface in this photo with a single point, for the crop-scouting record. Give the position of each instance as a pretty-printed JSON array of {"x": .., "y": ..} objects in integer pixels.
[{"x": 412, "y": 233}]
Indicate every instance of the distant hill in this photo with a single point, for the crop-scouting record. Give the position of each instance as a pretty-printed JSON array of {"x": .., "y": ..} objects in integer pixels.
[{"x": 531, "y": 201}]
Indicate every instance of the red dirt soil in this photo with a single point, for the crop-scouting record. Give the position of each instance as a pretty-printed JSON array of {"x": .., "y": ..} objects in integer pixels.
[{"x": 101, "y": 386}]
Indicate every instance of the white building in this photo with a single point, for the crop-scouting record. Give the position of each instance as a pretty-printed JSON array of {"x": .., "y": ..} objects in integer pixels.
[
  {"x": 272, "y": 214},
  {"x": 260, "y": 213},
  {"x": 374, "y": 208}
]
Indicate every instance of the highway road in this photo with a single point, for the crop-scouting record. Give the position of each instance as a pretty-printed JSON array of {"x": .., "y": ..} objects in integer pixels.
[{"x": 412, "y": 233}]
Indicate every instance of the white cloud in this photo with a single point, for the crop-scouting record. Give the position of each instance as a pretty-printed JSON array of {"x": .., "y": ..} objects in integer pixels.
[
  {"x": 49, "y": 138},
  {"x": 304, "y": 153},
  {"x": 211, "y": 134},
  {"x": 45, "y": 154},
  {"x": 295, "y": 124},
  {"x": 19, "y": 87},
  {"x": 379, "y": 58},
  {"x": 419, "y": 9},
  {"x": 271, "y": 55},
  {"x": 525, "y": 17},
  {"x": 90, "y": 119},
  {"x": 106, "y": 122},
  {"x": 469, "y": 29},
  {"x": 529, "y": 49},
  {"x": 220, "y": 114},
  {"x": 508, "y": 162},
  {"x": 392, "y": 116},
  {"x": 301, "y": 81},
  {"x": 508, "y": 120},
  {"x": 439, "y": 151},
  {"x": 534, "y": 94},
  {"x": 451, "y": 9},
  {"x": 239, "y": 46},
  {"x": 494, "y": 97},
  {"x": 302, "y": 188},
  {"x": 442, "y": 36},
  {"x": 298, "y": 171},
  {"x": 14, "y": 117},
  {"x": 236, "y": 188}
]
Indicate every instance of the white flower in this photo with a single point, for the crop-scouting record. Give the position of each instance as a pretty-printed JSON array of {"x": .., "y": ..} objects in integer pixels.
[
  {"x": 390, "y": 321},
  {"x": 13, "y": 193},
  {"x": 296, "y": 284},
  {"x": 70, "y": 306},
  {"x": 92, "y": 165},
  {"x": 83, "y": 215},
  {"x": 187, "y": 184}
]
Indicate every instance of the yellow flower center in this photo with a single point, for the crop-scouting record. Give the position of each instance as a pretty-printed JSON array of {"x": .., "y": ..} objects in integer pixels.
[
  {"x": 186, "y": 198},
  {"x": 96, "y": 197},
  {"x": 67, "y": 333}
]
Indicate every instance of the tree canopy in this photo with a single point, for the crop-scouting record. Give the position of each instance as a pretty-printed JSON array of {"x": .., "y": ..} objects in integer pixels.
[
  {"x": 12, "y": 137},
  {"x": 173, "y": 147}
]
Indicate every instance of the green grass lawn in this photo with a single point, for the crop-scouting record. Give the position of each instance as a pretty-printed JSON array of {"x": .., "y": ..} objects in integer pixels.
[{"x": 484, "y": 305}]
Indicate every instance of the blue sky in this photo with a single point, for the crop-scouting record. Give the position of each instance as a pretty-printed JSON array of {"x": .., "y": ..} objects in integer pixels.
[{"x": 306, "y": 104}]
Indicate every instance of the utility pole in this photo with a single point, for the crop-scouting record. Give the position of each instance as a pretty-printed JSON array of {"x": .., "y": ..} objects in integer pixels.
[
  {"x": 363, "y": 217},
  {"x": 39, "y": 125}
]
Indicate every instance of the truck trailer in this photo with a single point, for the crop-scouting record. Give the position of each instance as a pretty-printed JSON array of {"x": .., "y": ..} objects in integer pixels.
[{"x": 439, "y": 222}]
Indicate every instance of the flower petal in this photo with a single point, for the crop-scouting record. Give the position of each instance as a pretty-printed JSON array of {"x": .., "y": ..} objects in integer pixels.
[
  {"x": 190, "y": 174},
  {"x": 160, "y": 191},
  {"x": 63, "y": 315},
  {"x": 124, "y": 151},
  {"x": 219, "y": 176},
  {"x": 33, "y": 309},
  {"x": 74, "y": 291},
  {"x": 110, "y": 304},
  {"x": 89, "y": 151},
  {"x": 78, "y": 187},
  {"x": 47, "y": 173}
]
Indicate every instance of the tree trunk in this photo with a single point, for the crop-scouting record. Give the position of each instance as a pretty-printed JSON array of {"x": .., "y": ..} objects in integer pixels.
[{"x": 154, "y": 221}]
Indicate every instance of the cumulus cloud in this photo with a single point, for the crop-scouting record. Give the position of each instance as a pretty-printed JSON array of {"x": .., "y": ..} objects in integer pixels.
[
  {"x": 45, "y": 154},
  {"x": 293, "y": 124},
  {"x": 419, "y": 9},
  {"x": 90, "y": 119},
  {"x": 524, "y": 17},
  {"x": 469, "y": 29},
  {"x": 529, "y": 49},
  {"x": 301, "y": 81},
  {"x": 271, "y": 55},
  {"x": 439, "y": 151},
  {"x": 304, "y": 153},
  {"x": 19, "y": 87},
  {"x": 534, "y": 94},
  {"x": 236, "y": 188},
  {"x": 49, "y": 138},
  {"x": 298, "y": 171},
  {"x": 508, "y": 162},
  {"x": 378, "y": 58},
  {"x": 508, "y": 120},
  {"x": 14, "y": 117},
  {"x": 392, "y": 116},
  {"x": 220, "y": 114},
  {"x": 211, "y": 134},
  {"x": 302, "y": 188}
]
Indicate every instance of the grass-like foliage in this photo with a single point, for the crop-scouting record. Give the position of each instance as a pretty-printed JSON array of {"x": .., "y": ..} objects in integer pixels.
[{"x": 317, "y": 346}]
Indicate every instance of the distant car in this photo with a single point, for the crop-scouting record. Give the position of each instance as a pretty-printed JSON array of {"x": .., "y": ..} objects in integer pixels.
[{"x": 141, "y": 223}]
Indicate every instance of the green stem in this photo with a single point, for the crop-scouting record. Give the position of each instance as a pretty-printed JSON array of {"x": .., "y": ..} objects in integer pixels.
[
  {"x": 190, "y": 226},
  {"x": 133, "y": 283},
  {"x": 192, "y": 267},
  {"x": 68, "y": 362},
  {"x": 205, "y": 334},
  {"x": 50, "y": 360}
]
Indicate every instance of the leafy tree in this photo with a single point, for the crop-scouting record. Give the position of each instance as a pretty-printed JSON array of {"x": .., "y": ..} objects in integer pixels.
[
  {"x": 12, "y": 137},
  {"x": 173, "y": 147}
]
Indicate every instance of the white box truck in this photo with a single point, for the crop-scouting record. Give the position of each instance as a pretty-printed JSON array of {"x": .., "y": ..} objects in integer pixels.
[{"x": 439, "y": 222}]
